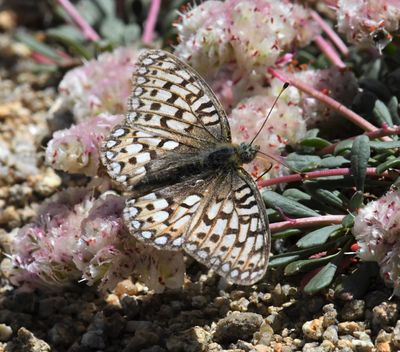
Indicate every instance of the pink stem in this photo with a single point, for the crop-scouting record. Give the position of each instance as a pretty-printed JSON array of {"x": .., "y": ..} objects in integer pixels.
[
  {"x": 87, "y": 30},
  {"x": 306, "y": 222},
  {"x": 385, "y": 131},
  {"x": 371, "y": 171},
  {"x": 332, "y": 103},
  {"x": 330, "y": 33},
  {"x": 151, "y": 21},
  {"x": 41, "y": 59},
  {"x": 329, "y": 51}
]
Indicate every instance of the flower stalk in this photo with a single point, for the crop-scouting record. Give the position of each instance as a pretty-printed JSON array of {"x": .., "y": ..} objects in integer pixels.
[
  {"x": 306, "y": 222},
  {"x": 85, "y": 27},
  {"x": 371, "y": 171},
  {"x": 150, "y": 24}
]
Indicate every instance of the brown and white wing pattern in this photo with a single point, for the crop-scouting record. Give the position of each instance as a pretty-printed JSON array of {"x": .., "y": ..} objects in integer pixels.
[
  {"x": 171, "y": 111},
  {"x": 221, "y": 221},
  {"x": 230, "y": 233}
]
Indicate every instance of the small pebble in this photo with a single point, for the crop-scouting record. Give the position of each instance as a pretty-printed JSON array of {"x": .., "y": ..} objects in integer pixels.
[
  {"x": 353, "y": 310},
  {"x": 313, "y": 329},
  {"x": 349, "y": 327},
  {"x": 5, "y": 332}
]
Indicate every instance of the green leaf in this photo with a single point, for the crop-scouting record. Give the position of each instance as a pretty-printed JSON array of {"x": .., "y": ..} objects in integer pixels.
[
  {"x": 112, "y": 28},
  {"x": 303, "y": 162},
  {"x": 343, "y": 146},
  {"x": 348, "y": 221},
  {"x": 356, "y": 201},
  {"x": 286, "y": 205},
  {"x": 324, "y": 196},
  {"x": 286, "y": 233},
  {"x": 131, "y": 33},
  {"x": 312, "y": 133},
  {"x": 319, "y": 236},
  {"x": 276, "y": 261},
  {"x": 296, "y": 194},
  {"x": 37, "y": 46},
  {"x": 360, "y": 153},
  {"x": 66, "y": 31},
  {"x": 305, "y": 265},
  {"x": 393, "y": 106},
  {"x": 384, "y": 145},
  {"x": 382, "y": 113},
  {"x": 315, "y": 142},
  {"x": 286, "y": 258},
  {"x": 322, "y": 279},
  {"x": 71, "y": 43},
  {"x": 388, "y": 164},
  {"x": 333, "y": 161}
]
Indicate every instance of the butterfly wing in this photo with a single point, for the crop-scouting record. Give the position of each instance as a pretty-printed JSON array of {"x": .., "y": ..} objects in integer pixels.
[
  {"x": 172, "y": 115},
  {"x": 230, "y": 233},
  {"x": 220, "y": 220}
]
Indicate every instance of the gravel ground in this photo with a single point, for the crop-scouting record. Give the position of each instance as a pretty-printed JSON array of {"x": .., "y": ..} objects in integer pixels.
[{"x": 206, "y": 315}]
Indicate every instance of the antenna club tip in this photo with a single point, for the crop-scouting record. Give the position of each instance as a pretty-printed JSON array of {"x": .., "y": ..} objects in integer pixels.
[{"x": 285, "y": 85}]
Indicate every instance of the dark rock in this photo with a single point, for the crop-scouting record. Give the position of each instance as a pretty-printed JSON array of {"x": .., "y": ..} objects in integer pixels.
[{"x": 237, "y": 326}]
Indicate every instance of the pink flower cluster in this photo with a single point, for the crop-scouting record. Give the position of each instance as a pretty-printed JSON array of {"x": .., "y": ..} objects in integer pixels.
[
  {"x": 101, "y": 85},
  {"x": 80, "y": 237},
  {"x": 250, "y": 33},
  {"x": 377, "y": 231},
  {"x": 368, "y": 22},
  {"x": 77, "y": 149}
]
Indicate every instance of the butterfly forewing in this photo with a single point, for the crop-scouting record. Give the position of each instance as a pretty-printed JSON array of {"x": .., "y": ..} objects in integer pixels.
[
  {"x": 171, "y": 110},
  {"x": 215, "y": 214}
]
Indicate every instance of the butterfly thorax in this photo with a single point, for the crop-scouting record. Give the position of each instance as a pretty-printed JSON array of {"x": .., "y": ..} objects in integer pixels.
[{"x": 230, "y": 155}]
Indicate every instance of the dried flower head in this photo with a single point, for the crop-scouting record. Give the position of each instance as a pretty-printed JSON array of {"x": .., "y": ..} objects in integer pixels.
[
  {"x": 377, "y": 231},
  {"x": 77, "y": 149},
  {"x": 101, "y": 85},
  {"x": 368, "y": 22}
]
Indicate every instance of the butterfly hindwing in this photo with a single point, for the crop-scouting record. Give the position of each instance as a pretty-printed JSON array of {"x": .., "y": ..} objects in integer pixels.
[
  {"x": 230, "y": 232},
  {"x": 162, "y": 217}
]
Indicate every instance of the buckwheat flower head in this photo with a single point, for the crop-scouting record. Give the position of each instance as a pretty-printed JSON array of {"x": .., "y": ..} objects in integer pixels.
[
  {"x": 250, "y": 33},
  {"x": 100, "y": 85},
  {"x": 77, "y": 149},
  {"x": 338, "y": 84},
  {"x": 285, "y": 126},
  {"x": 377, "y": 231},
  {"x": 368, "y": 22},
  {"x": 80, "y": 237}
]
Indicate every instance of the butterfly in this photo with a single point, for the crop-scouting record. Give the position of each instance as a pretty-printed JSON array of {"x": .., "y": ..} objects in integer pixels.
[{"x": 188, "y": 190}]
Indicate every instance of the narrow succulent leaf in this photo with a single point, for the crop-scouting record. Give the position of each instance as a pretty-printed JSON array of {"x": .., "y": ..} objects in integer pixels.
[
  {"x": 72, "y": 44},
  {"x": 296, "y": 194},
  {"x": 315, "y": 142},
  {"x": 286, "y": 258},
  {"x": 286, "y": 233},
  {"x": 382, "y": 114},
  {"x": 356, "y": 201},
  {"x": 304, "y": 265},
  {"x": 377, "y": 145},
  {"x": 287, "y": 206},
  {"x": 393, "y": 106},
  {"x": 303, "y": 162},
  {"x": 333, "y": 161},
  {"x": 319, "y": 236},
  {"x": 37, "y": 46},
  {"x": 343, "y": 146},
  {"x": 322, "y": 279},
  {"x": 360, "y": 153},
  {"x": 388, "y": 164},
  {"x": 348, "y": 221}
]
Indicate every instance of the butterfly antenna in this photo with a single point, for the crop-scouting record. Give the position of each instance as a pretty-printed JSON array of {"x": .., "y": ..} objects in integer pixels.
[
  {"x": 281, "y": 161},
  {"x": 285, "y": 85}
]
